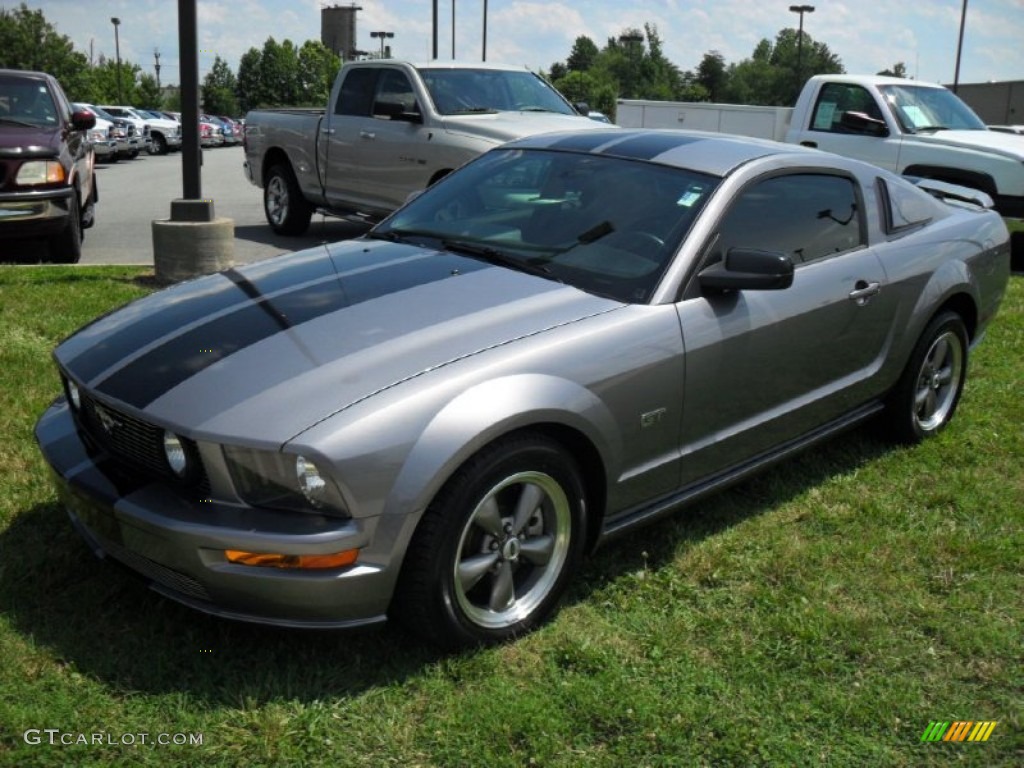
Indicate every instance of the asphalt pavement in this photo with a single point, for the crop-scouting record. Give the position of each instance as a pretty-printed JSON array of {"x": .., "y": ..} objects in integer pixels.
[{"x": 134, "y": 193}]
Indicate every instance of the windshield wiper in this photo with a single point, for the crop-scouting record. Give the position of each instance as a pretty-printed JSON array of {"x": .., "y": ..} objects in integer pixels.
[
  {"x": 401, "y": 235},
  {"x": 920, "y": 128},
  {"x": 11, "y": 121},
  {"x": 474, "y": 111},
  {"x": 494, "y": 256}
]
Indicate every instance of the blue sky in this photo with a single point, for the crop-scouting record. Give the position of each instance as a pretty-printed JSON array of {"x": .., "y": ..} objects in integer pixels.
[{"x": 867, "y": 35}]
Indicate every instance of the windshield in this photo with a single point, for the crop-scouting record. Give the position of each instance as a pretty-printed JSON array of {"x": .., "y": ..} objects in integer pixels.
[
  {"x": 923, "y": 109},
  {"x": 602, "y": 224},
  {"x": 26, "y": 101},
  {"x": 468, "y": 91}
]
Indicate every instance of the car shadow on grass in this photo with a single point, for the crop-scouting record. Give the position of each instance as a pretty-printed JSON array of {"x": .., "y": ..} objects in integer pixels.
[{"x": 100, "y": 619}]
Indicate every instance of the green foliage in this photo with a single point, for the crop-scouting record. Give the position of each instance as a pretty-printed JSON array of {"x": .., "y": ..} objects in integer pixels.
[
  {"x": 219, "y": 88},
  {"x": 148, "y": 95},
  {"x": 899, "y": 70},
  {"x": 776, "y": 72},
  {"x": 28, "y": 41}
]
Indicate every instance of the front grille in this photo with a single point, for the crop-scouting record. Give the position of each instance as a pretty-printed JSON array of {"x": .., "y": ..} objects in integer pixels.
[{"x": 137, "y": 443}]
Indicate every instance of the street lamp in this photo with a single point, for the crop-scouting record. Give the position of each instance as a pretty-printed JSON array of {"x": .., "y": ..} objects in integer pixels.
[
  {"x": 801, "y": 9},
  {"x": 959, "y": 46},
  {"x": 117, "y": 47},
  {"x": 382, "y": 36}
]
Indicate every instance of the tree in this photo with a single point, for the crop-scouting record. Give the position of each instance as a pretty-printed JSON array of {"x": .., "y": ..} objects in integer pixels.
[
  {"x": 583, "y": 55},
  {"x": 711, "y": 74},
  {"x": 775, "y": 72},
  {"x": 899, "y": 70},
  {"x": 317, "y": 67},
  {"x": 148, "y": 94},
  {"x": 247, "y": 87},
  {"x": 219, "y": 88},
  {"x": 29, "y": 41}
]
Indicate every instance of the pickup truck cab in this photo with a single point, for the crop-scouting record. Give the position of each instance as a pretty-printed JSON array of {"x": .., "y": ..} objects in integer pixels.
[
  {"x": 390, "y": 129},
  {"x": 47, "y": 179},
  {"x": 912, "y": 128}
]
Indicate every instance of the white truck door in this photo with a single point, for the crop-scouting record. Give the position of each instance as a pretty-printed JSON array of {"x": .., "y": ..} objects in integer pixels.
[{"x": 847, "y": 119}]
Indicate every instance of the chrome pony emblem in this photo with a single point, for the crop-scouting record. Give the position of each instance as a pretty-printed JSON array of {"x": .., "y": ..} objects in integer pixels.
[{"x": 107, "y": 420}]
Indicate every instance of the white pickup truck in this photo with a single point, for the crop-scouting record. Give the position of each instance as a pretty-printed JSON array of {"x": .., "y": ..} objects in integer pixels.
[
  {"x": 390, "y": 129},
  {"x": 910, "y": 127}
]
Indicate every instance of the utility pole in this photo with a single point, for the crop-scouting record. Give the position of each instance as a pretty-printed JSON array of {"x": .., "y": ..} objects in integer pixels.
[
  {"x": 485, "y": 32},
  {"x": 156, "y": 55},
  {"x": 117, "y": 48},
  {"x": 959, "y": 46}
]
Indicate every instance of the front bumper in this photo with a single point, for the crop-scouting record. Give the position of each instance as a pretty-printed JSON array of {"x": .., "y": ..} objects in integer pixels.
[
  {"x": 177, "y": 544},
  {"x": 34, "y": 214}
]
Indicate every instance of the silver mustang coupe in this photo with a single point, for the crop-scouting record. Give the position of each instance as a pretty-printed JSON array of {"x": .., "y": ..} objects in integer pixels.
[{"x": 572, "y": 335}]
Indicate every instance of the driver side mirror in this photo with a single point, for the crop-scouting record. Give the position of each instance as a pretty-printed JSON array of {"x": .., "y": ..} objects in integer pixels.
[
  {"x": 395, "y": 110},
  {"x": 82, "y": 120},
  {"x": 747, "y": 269},
  {"x": 861, "y": 122}
]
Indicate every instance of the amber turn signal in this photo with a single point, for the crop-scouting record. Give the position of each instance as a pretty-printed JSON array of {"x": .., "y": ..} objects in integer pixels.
[{"x": 273, "y": 560}]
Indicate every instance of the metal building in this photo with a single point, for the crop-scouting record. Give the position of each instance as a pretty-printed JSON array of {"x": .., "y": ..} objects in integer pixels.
[{"x": 338, "y": 29}]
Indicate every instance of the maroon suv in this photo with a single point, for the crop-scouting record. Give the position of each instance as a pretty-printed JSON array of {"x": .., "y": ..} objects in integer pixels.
[{"x": 47, "y": 184}]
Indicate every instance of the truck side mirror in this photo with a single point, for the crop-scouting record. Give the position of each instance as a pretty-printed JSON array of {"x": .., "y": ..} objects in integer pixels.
[
  {"x": 395, "y": 110},
  {"x": 861, "y": 122}
]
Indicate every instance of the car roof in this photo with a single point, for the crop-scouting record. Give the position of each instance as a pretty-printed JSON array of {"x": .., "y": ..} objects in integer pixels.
[{"x": 713, "y": 153}]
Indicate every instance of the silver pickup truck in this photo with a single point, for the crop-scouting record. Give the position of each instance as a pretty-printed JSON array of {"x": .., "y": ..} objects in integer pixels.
[{"x": 390, "y": 129}]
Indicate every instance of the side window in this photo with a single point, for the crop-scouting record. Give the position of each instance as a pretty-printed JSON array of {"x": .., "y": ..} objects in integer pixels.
[
  {"x": 394, "y": 87},
  {"x": 356, "y": 97},
  {"x": 805, "y": 216},
  {"x": 837, "y": 98},
  {"x": 904, "y": 206}
]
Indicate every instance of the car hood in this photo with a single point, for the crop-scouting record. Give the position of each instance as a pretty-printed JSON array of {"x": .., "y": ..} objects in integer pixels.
[
  {"x": 500, "y": 127},
  {"x": 1003, "y": 143},
  {"x": 29, "y": 140},
  {"x": 260, "y": 353}
]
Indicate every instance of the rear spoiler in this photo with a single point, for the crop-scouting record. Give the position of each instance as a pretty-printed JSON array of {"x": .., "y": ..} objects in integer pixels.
[{"x": 954, "y": 193}]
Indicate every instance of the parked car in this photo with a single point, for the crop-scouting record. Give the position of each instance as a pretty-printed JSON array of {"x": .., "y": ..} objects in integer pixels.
[
  {"x": 125, "y": 133},
  {"x": 164, "y": 132},
  {"x": 101, "y": 136},
  {"x": 227, "y": 129},
  {"x": 211, "y": 134},
  {"x": 47, "y": 181},
  {"x": 142, "y": 129},
  {"x": 568, "y": 337}
]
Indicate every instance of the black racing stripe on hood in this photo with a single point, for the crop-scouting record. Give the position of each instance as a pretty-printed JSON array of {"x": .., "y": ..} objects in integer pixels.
[
  {"x": 585, "y": 141},
  {"x": 122, "y": 343},
  {"x": 166, "y": 366}
]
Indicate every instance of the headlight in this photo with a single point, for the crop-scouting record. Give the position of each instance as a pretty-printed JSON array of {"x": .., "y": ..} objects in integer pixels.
[
  {"x": 74, "y": 396},
  {"x": 311, "y": 484},
  {"x": 283, "y": 481},
  {"x": 40, "y": 172},
  {"x": 175, "y": 454}
]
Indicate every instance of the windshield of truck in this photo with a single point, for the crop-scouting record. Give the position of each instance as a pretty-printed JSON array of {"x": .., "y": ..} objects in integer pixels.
[
  {"x": 26, "y": 101},
  {"x": 469, "y": 91},
  {"x": 929, "y": 109}
]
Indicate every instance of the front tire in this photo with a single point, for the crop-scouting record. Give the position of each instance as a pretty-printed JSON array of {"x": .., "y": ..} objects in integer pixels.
[
  {"x": 497, "y": 548},
  {"x": 287, "y": 211},
  {"x": 66, "y": 246},
  {"x": 926, "y": 397}
]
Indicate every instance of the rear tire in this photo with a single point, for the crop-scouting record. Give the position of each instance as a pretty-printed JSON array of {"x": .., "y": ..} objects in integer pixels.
[
  {"x": 287, "y": 211},
  {"x": 928, "y": 392},
  {"x": 497, "y": 548}
]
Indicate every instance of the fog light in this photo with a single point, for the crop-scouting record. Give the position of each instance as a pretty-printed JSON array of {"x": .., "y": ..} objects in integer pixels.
[
  {"x": 174, "y": 452},
  {"x": 308, "y": 562}
]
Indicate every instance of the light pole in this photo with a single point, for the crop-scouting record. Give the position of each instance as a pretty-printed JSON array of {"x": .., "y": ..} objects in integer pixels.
[
  {"x": 382, "y": 36},
  {"x": 959, "y": 47},
  {"x": 117, "y": 49},
  {"x": 801, "y": 9},
  {"x": 485, "y": 32}
]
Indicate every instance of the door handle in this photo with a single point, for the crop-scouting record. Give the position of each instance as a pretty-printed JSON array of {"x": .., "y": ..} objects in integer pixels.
[
  {"x": 863, "y": 291},
  {"x": 811, "y": 144},
  {"x": 367, "y": 135},
  {"x": 327, "y": 131}
]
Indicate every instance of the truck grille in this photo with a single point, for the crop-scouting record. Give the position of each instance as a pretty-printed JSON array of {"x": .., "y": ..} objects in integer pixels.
[{"x": 138, "y": 444}]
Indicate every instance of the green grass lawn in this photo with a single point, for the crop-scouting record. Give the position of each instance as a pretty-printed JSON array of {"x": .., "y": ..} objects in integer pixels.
[{"x": 822, "y": 614}]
